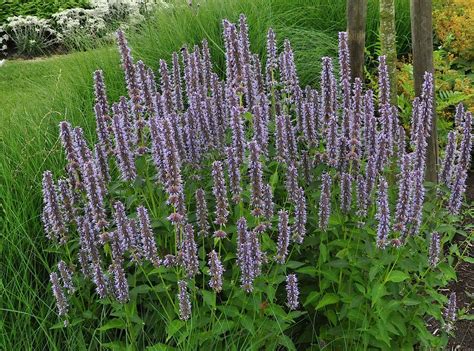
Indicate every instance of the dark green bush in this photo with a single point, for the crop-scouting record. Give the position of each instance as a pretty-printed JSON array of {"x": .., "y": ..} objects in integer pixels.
[{"x": 40, "y": 8}]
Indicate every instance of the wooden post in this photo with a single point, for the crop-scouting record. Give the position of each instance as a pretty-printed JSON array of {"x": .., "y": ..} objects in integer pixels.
[
  {"x": 356, "y": 14},
  {"x": 422, "y": 43},
  {"x": 388, "y": 40}
]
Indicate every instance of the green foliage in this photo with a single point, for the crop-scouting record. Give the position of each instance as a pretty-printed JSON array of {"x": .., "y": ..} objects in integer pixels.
[{"x": 40, "y": 8}]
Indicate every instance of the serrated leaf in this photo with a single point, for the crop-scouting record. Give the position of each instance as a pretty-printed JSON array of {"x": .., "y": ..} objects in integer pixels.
[
  {"x": 397, "y": 276},
  {"x": 328, "y": 299}
]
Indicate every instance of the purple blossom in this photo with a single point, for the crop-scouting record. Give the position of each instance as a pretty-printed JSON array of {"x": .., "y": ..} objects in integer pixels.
[
  {"x": 80, "y": 145},
  {"x": 184, "y": 301},
  {"x": 256, "y": 174},
  {"x": 95, "y": 191},
  {"x": 249, "y": 256},
  {"x": 268, "y": 204},
  {"x": 292, "y": 181},
  {"x": 281, "y": 139},
  {"x": 102, "y": 163},
  {"x": 66, "y": 199},
  {"x": 450, "y": 313},
  {"x": 369, "y": 124},
  {"x": 260, "y": 126},
  {"x": 123, "y": 152},
  {"x": 402, "y": 214},
  {"x": 292, "y": 146},
  {"x": 120, "y": 281},
  {"x": 216, "y": 271},
  {"x": 459, "y": 116},
  {"x": 202, "y": 212},
  {"x": 307, "y": 163},
  {"x": 53, "y": 219},
  {"x": 384, "y": 83},
  {"x": 346, "y": 192},
  {"x": 362, "y": 196},
  {"x": 177, "y": 84},
  {"x": 383, "y": 214},
  {"x": 332, "y": 142},
  {"x": 283, "y": 237},
  {"x": 150, "y": 251},
  {"x": 234, "y": 175},
  {"x": 292, "y": 292},
  {"x": 465, "y": 147},
  {"x": 344, "y": 59},
  {"x": 188, "y": 252},
  {"x": 418, "y": 198},
  {"x": 220, "y": 193},
  {"x": 123, "y": 231},
  {"x": 325, "y": 201},
  {"x": 435, "y": 249},
  {"x": 458, "y": 188},
  {"x": 66, "y": 276},
  {"x": 299, "y": 228},
  {"x": 371, "y": 174},
  {"x": 272, "y": 62},
  {"x": 100, "y": 280},
  {"x": 61, "y": 301},
  {"x": 238, "y": 134},
  {"x": 328, "y": 106}
]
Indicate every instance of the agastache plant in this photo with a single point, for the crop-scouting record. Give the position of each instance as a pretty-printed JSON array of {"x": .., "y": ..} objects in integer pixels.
[{"x": 261, "y": 162}]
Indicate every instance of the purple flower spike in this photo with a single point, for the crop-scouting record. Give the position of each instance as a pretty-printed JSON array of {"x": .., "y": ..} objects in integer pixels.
[
  {"x": 249, "y": 256},
  {"x": 256, "y": 174},
  {"x": 362, "y": 197},
  {"x": 102, "y": 163},
  {"x": 328, "y": 106},
  {"x": 292, "y": 292},
  {"x": 61, "y": 301},
  {"x": 123, "y": 152},
  {"x": 120, "y": 281},
  {"x": 147, "y": 238},
  {"x": 458, "y": 188},
  {"x": 346, "y": 192},
  {"x": 292, "y": 181},
  {"x": 189, "y": 252},
  {"x": 418, "y": 198},
  {"x": 66, "y": 276},
  {"x": 402, "y": 213},
  {"x": 220, "y": 192},
  {"x": 216, "y": 270},
  {"x": 238, "y": 134},
  {"x": 123, "y": 228},
  {"x": 272, "y": 61},
  {"x": 184, "y": 301},
  {"x": 383, "y": 214},
  {"x": 435, "y": 250},
  {"x": 95, "y": 191},
  {"x": 466, "y": 142},
  {"x": 384, "y": 83},
  {"x": 299, "y": 228},
  {"x": 283, "y": 237},
  {"x": 325, "y": 201},
  {"x": 450, "y": 313},
  {"x": 234, "y": 175},
  {"x": 177, "y": 84},
  {"x": 52, "y": 216},
  {"x": 66, "y": 199},
  {"x": 202, "y": 213},
  {"x": 268, "y": 204},
  {"x": 281, "y": 139}
]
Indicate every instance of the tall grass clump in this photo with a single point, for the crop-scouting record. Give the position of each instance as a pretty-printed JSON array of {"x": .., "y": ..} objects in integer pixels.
[{"x": 234, "y": 212}]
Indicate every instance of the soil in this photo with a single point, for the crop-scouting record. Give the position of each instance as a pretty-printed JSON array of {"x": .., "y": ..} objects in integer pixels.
[{"x": 464, "y": 286}]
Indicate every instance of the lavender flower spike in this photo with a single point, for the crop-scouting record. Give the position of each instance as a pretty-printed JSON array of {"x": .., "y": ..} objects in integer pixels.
[
  {"x": 220, "y": 192},
  {"x": 66, "y": 276},
  {"x": 299, "y": 228},
  {"x": 447, "y": 167},
  {"x": 346, "y": 192},
  {"x": 292, "y": 291},
  {"x": 184, "y": 301},
  {"x": 123, "y": 152},
  {"x": 457, "y": 190},
  {"x": 216, "y": 270},
  {"x": 189, "y": 252},
  {"x": 402, "y": 213},
  {"x": 52, "y": 217},
  {"x": 435, "y": 250},
  {"x": 148, "y": 240},
  {"x": 450, "y": 313},
  {"x": 61, "y": 301},
  {"x": 202, "y": 213},
  {"x": 256, "y": 175},
  {"x": 324, "y": 201},
  {"x": 383, "y": 214},
  {"x": 283, "y": 237}
]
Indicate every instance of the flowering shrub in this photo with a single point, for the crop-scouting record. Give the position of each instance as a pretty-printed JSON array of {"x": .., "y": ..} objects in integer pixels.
[
  {"x": 235, "y": 213},
  {"x": 31, "y": 35},
  {"x": 126, "y": 10},
  {"x": 79, "y": 25}
]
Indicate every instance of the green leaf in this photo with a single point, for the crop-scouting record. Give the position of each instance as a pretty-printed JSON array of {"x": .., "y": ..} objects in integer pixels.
[
  {"x": 274, "y": 180},
  {"x": 468, "y": 317},
  {"x": 323, "y": 253},
  {"x": 209, "y": 298},
  {"x": 377, "y": 292},
  {"x": 160, "y": 347},
  {"x": 285, "y": 341},
  {"x": 172, "y": 328},
  {"x": 312, "y": 271},
  {"x": 223, "y": 326},
  {"x": 312, "y": 297},
  {"x": 469, "y": 260},
  {"x": 294, "y": 264},
  {"x": 328, "y": 299},
  {"x": 397, "y": 276},
  {"x": 115, "y": 323}
]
